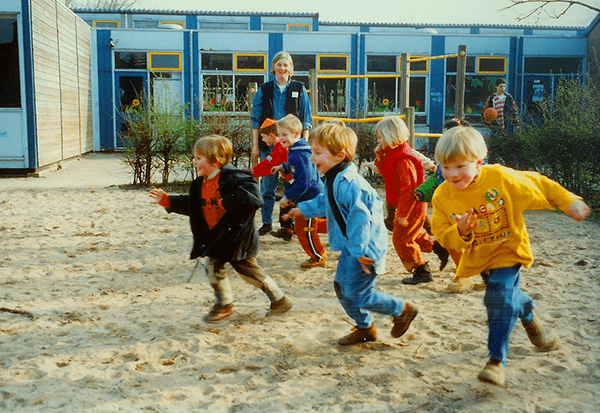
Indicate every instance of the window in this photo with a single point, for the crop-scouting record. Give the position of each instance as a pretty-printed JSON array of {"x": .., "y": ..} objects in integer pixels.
[
  {"x": 250, "y": 62},
  {"x": 333, "y": 63},
  {"x": 554, "y": 65},
  {"x": 145, "y": 24},
  {"x": 292, "y": 27},
  {"x": 217, "y": 61},
  {"x": 304, "y": 62},
  {"x": 381, "y": 63},
  {"x": 182, "y": 24},
  {"x": 451, "y": 64},
  {"x": 130, "y": 60},
  {"x": 106, "y": 23},
  {"x": 480, "y": 79},
  {"x": 420, "y": 66},
  {"x": 384, "y": 92},
  {"x": 10, "y": 78},
  {"x": 219, "y": 25},
  {"x": 165, "y": 61},
  {"x": 274, "y": 27},
  {"x": 491, "y": 65},
  {"x": 226, "y": 77}
]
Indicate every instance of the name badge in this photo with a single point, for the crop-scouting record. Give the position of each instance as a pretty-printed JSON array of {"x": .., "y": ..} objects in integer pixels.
[{"x": 294, "y": 94}]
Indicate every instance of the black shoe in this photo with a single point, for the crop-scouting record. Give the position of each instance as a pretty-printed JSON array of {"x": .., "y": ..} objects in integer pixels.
[
  {"x": 442, "y": 254},
  {"x": 283, "y": 233},
  {"x": 265, "y": 229},
  {"x": 421, "y": 275}
]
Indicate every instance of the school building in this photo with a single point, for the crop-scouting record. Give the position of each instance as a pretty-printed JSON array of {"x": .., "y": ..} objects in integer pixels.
[{"x": 66, "y": 76}]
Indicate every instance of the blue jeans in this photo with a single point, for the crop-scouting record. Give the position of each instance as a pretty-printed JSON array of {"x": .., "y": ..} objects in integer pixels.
[
  {"x": 505, "y": 302},
  {"x": 356, "y": 292},
  {"x": 268, "y": 186}
]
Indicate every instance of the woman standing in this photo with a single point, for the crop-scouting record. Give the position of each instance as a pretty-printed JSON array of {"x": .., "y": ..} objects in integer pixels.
[{"x": 275, "y": 99}]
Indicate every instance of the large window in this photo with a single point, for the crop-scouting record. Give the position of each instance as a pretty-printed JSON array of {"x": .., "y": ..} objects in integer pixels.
[
  {"x": 553, "y": 65},
  {"x": 480, "y": 79},
  {"x": 10, "y": 79},
  {"x": 226, "y": 77},
  {"x": 384, "y": 92}
]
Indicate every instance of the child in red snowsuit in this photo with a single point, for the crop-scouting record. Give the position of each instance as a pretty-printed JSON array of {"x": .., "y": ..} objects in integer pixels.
[{"x": 402, "y": 173}]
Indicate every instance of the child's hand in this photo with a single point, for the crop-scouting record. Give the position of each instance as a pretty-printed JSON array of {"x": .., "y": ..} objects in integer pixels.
[
  {"x": 275, "y": 169},
  {"x": 579, "y": 210},
  {"x": 160, "y": 197},
  {"x": 365, "y": 262},
  {"x": 294, "y": 213},
  {"x": 286, "y": 203},
  {"x": 466, "y": 223}
]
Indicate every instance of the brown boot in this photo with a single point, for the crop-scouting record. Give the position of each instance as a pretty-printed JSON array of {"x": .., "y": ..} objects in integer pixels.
[
  {"x": 537, "y": 336},
  {"x": 279, "y": 307},
  {"x": 218, "y": 313},
  {"x": 359, "y": 335},
  {"x": 493, "y": 373},
  {"x": 402, "y": 322}
]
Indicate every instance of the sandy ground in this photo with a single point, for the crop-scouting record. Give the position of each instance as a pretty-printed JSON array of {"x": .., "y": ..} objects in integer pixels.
[{"x": 98, "y": 315}]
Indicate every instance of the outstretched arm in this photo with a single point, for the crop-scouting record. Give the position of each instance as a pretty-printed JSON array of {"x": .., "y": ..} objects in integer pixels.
[{"x": 160, "y": 197}]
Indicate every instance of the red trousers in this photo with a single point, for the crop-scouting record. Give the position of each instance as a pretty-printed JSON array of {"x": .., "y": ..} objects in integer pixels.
[
  {"x": 307, "y": 231},
  {"x": 411, "y": 240}
]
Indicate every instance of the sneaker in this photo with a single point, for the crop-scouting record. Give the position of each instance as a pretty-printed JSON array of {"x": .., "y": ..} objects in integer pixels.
[
  {"x": 265, "y": 229},
  {"x": 421, "y": 275},
  {"x": 493, "y": 373},
  {"x": 218, "y": 313},
  {"x": 442, "y": 254},
  {"x": 311, "y": 262},
  {"x": 538, "y": 337},
  {"x": 283, "y": 233},
  {"x": 402, "y": 322},
  {"x": 359, "y": 335},
  {"x": 279, "y": 307}
]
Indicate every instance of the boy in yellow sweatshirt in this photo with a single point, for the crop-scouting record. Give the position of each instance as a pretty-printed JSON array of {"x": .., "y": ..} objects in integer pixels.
[{"x": 479, "y": 210}]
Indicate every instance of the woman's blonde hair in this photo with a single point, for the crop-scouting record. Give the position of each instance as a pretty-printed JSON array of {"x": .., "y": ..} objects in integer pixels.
[
  {"x": 214, "y": 148},
  {"x": 281, "y": 56},
  {"x": 392, "y": 130},
  {"x": 460, "y": 143},
  {"x": 336, "y": 138}
]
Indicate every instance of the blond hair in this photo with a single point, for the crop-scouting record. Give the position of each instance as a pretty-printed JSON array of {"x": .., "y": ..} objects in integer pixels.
[
  {"x": 214, "y": 148},
  {"x": 392, "y": 130},
  {"x": 281, "y": 56},
  {"x": 290, "y": 122},
  {"x": 336, "y": 138},
  {"x": 460, "y": 143}
]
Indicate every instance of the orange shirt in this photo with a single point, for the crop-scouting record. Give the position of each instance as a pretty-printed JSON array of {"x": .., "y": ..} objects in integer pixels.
[{"x": 211, "y": 197}]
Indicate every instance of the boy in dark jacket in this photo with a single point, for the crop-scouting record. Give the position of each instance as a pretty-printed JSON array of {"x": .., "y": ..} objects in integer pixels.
[{"x": 221, "y": 205}]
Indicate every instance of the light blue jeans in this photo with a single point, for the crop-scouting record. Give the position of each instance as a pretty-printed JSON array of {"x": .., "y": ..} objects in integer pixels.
[
  {"x": 268, "y": 187},
  {"x": 357, "y": 294},
  {"x": 505, "y": 303}
]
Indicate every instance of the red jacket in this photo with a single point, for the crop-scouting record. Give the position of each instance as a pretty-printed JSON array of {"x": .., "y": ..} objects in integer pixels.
[
  {"x": 279, "y": 155},
  {"x": 402, "y": 173}
]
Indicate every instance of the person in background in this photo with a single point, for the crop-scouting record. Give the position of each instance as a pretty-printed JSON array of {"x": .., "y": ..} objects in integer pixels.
[
  {"x": 503, "y": 102},
  {"x": 275, "y": 99}
]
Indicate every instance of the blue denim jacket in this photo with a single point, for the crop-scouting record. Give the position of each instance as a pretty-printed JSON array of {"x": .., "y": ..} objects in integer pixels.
[{"x": 362, "y": 209}]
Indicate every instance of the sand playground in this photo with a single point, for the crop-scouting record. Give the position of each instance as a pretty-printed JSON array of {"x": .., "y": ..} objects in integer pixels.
[{"x": 100, "y": 313}]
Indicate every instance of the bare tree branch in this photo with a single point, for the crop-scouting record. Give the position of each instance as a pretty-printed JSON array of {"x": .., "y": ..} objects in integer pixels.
[{"x": 541, "y": 6}]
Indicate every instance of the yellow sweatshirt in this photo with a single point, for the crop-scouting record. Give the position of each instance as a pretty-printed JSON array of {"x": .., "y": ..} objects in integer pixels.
[{"x": 499, "y": 195}]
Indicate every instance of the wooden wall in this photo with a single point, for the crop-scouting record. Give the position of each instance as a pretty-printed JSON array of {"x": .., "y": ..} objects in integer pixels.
[{"x": 62, "y": 80}]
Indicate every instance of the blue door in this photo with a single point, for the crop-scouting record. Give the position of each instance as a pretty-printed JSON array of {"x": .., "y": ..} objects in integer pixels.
[{"x": 131, "y": 89}]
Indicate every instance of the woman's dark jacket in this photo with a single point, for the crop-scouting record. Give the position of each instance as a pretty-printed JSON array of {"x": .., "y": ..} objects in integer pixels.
[{"x": 234, "y": 237}]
